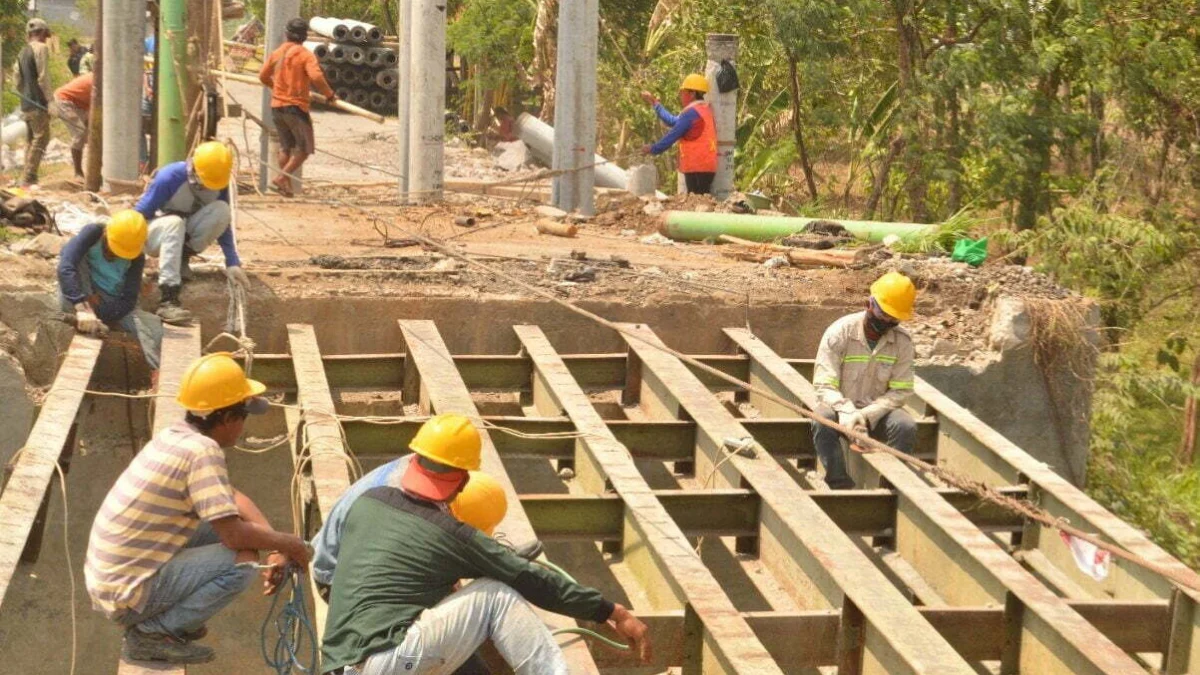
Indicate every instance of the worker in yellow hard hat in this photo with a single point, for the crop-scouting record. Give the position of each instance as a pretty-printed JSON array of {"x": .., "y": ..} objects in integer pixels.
[
  {"x": 174, "y": 543},
  {"x": 482, "y": 504},
  {"x": 100, "y": 276},
  {"x": 695, "y": 132},
  {"x": 864, "y": 375},
  {"x": 187, "y": 206},
  {"x": 395, "y": 604}
]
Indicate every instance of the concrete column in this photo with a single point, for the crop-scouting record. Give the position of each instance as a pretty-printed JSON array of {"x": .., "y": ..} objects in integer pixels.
[
  {"x": 403, "y": 84},
  {"x": 427, "y": 100},
  {"x": 724, "y": 107},
  {"x": 575, "y": 106},
  {"x": 279, "y": 12},
  {"x": 121, "y": 88}
]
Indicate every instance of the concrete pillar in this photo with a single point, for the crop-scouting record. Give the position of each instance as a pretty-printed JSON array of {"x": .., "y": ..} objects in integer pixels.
[
  {"x": 121, "y": 89},
  {"x": 279, "y": 12},
  {"x": 724, "y": 107},
  {"x": 403, "y": 84},
  {"x": 427, "y": 100},
  {"x": 575, "y": 106}
]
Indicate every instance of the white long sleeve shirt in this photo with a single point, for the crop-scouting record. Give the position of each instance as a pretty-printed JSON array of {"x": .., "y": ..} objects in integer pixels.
[{"x": 850, "y": 376}]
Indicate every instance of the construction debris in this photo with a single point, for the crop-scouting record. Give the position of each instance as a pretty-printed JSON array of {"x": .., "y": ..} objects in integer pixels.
[{"x": 557, "y": 229}]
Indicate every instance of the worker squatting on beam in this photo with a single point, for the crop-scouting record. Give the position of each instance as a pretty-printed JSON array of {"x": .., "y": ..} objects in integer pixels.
[
  {"x": 693, "y": 129},
  {"x": 290, "y": 72},
  {"x": 864, "y": 375},
  {"x": 100, "y": 276},
  {"x": 393, "y": 608},
  {"x": 173, "y": 542},
  {"x": 187, "y": 206}
]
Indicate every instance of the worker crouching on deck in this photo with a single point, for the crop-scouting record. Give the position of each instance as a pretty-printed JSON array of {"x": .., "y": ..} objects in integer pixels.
[
  {"x": 173, "y": 542},
  {"x": 393, "y": 608},
  {"x": 100, "y": 276},
  {"x": 695, "y": 132},
  {"x": 864, "y": 374}
]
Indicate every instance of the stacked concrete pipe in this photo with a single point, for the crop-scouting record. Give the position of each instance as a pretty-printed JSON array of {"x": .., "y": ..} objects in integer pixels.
[{"x": 355, "y": 63}]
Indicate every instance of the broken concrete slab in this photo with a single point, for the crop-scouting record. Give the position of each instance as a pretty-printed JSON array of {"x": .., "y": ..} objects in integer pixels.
[
  {"x": 512, "y": 156},
  {"x": 46, "y": 245},
  {"x": 16, "y": 415}
]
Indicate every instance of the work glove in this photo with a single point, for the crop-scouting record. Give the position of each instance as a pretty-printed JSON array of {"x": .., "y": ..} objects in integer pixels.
[
  {"x": 854, "y": 420},
  {"x": 238, "y": 276},
  {"x": 86, "y": 321}
]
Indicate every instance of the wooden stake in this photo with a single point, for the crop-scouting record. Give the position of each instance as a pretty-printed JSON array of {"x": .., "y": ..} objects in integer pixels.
[{"x": 557, "y": 229}]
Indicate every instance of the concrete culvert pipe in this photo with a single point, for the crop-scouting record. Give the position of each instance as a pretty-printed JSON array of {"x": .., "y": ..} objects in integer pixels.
[
  {"x": 337, "y": 53},
  {"x": 366, "y": 77},
  {"x": 345, "y": 94},
  {"x": 363, "y": 33},
  {"x": 333, "y": 75},
  {"x": 358, "y": 34},
  {"x": 378, "y": 101},
  {"x": 373, "y": 58},
  {"x": 382, "y": 57},
  {"x": 329, "y": 27},
  {"x": 359, "y": 97},
  {"x": 319, "y": 50},
  {"x": 356, "y": 55},
  {"x": 387, "y": 79}
]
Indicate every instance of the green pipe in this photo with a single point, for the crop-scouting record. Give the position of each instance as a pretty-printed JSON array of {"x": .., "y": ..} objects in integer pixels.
[
  {"x": 690, "y": 226},
  {"x": 172, "y": 50}
]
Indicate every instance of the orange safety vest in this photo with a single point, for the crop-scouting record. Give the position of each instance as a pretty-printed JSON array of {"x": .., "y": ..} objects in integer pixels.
[{"x": 698, "y": 147}]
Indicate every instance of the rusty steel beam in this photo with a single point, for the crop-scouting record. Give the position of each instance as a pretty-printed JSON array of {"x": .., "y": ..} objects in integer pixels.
[
  {"x": 653, "y": 544},
  {"x": 806, "y": 551},
  {"x": 433, "y": 382},
  {"x": 964, "y": 565},
  {"x": 28, "y": 485}
]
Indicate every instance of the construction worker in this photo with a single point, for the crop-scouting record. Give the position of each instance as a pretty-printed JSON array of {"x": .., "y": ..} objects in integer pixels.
[
  {"x": 100, "y": 276},
  {"x": 173, "y": 542},
  {"x": 87, "y": 63},
  {"x": 864, "y": 374},
  {"x": 187, "y": 206},
  {"x": 393, "y": 608},
  {"x": 32, "y": 84},
  {"x": 72, "y": 101},
  {"x": 291, "y": 71},
  {"x": 75, "y": 52},
  {"x": 693, "y": 129}
]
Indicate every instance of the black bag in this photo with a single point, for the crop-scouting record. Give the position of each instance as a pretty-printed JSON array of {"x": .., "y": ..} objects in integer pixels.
[{"x": 727, "y": 77}]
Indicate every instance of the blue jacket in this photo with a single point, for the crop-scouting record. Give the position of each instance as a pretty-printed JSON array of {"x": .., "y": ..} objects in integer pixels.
[
  {"x": 170, "y": 192},
  {"x": 111, "y": 309},
  {"x": 679, "y": 127},
  {"x": 328, "y": 541}
]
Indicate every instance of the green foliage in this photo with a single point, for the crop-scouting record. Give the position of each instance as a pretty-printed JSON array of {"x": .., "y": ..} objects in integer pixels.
[
  {"x": 942, "y": 239},
  {"x": 496, "y": 35}
]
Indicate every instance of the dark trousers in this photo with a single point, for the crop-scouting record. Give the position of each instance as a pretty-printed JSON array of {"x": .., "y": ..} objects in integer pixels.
[
  {"x": 897, "y": 429},
  {"x": 699, "y": 183}
]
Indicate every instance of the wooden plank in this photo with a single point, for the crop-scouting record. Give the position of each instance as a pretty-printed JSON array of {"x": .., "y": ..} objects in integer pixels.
[
  {"x": 964, "y": 565},
  {"x": 804, "y": 548},
  {"x": 180, "y": 347},
  {"x": 442, "y": 390},
  {"x": 27, "y": 487},
  {"x": 731, "y": 641}
]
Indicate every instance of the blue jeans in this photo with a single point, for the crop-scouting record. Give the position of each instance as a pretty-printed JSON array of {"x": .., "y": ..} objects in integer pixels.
[
  {"x": 191, "y": 588},
  {"x": 897, "y": 429},
  {"x": 144, "y": 326}
]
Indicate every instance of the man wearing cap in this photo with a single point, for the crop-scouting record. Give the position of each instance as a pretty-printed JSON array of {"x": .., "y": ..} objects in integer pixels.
[
  {"x": 32, "y": 83},
  {"x": 864, "y": 375},
  {"x": 695, "y": 132},
  {"x": 291, "y": 71},
  {"x": 100, "y": 276},
  {"x": 173, "y": 542},
  {"x": 393, "y": 608}
]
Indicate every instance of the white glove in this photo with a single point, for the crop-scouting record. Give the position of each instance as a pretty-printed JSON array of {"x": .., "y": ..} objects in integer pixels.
[
  {"x": 238, "y": 276},
  {"x": 86, "y": 321},
  {"x": 854, "y": 420}
]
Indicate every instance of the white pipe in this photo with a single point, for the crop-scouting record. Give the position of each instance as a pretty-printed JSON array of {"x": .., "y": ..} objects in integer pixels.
[
  {"x": 404, "y": 77},
  {"x": 539, "y": 136},
  {"x": 724, "y": 108},
  {"x": 121, "y": 55},
  {"x": 575, "y": 106},
  {"x": 319, "y": 49},
  {"x": 427, "y": 111},
  {"x": 328, "y": 26}
]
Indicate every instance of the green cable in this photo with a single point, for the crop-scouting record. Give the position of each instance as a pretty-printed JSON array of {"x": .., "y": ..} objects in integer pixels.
[{"x": 579, "y": 631}]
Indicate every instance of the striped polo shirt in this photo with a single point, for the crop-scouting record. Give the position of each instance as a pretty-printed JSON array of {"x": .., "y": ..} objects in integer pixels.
[{"x": 154, "y": 508}]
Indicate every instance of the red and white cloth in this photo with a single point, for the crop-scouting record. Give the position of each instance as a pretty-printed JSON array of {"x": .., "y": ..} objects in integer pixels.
[{"x": 1090, "y": 559}]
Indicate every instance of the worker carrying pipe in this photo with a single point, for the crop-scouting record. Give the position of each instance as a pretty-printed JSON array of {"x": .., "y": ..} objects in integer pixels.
[
  {"x": 173, "y": 542},
  {"x": 290, "y": 72},
  {"x": 864, "y": 375},
  {"x": 100, "y": 276},
  {"x": 187, "y": 206},
  {"x": 393, "y": 609},
  {"x": 693, "y": 129}
]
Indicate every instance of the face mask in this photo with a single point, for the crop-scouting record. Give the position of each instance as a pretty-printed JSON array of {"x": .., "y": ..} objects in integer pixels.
[{"x": 879, "y": 326}]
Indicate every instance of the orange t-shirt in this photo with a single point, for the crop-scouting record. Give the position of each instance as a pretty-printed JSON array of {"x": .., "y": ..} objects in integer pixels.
[
  {"x": 78, "y": 92},
  {"x": 291, "y": 80}
]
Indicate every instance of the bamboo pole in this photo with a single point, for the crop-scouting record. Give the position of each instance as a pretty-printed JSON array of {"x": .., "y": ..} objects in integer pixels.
[{"x": 340, "y": 105}]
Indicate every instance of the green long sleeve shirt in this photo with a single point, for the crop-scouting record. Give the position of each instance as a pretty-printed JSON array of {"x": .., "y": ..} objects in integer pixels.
[{"x": 400, "y": 556}]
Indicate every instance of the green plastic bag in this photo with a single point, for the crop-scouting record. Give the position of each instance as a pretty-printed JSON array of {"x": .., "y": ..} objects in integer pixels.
[{"x": 971, "y": 251}]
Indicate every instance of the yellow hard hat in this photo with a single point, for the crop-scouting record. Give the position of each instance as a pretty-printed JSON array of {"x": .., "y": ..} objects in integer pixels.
[
  {"x": 125, "y": 234},
  {"x": 213, "y": 163},
  {"x": 895, "y": 294},
  {"x": 448, "y": 439},
  {"x": 482, "y": 504},
  {"x": 216, "y": 381},
  {"x": 695, "y": 82}
]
